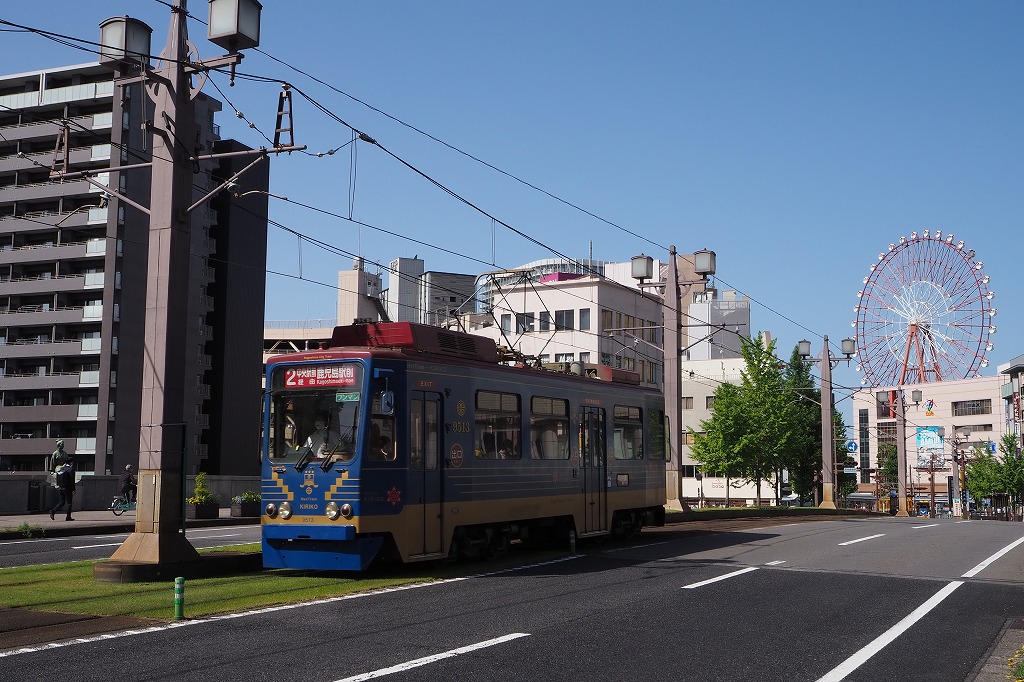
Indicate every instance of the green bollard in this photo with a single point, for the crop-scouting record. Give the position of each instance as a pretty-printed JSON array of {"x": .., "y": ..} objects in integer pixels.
[{"x": 179, "y": 598}]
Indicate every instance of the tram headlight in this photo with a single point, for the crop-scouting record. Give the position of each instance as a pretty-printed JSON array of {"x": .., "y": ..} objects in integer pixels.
[
  {"x": 333, "y": 512},
  {"x": 286, "y": 510},
  {"x": 270, "y": 509},
  {"x": 346, "y": 510}
]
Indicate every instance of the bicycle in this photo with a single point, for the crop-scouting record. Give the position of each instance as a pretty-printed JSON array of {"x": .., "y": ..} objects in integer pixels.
[{"x": 119, "y": 505}]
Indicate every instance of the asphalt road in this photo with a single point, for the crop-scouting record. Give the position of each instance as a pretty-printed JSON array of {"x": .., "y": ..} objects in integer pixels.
[
  {"x": 36, "y": 551},
  {"x": 866, "y": 599}
]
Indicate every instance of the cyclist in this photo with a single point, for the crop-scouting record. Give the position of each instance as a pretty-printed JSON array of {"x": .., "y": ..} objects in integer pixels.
[{"x": 126, "y": 484}]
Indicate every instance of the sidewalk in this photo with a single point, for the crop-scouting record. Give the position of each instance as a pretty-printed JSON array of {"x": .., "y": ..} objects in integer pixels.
[{"x": 94, "y": 522}]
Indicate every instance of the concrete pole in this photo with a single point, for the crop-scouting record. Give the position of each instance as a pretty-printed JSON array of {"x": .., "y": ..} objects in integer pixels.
[
  {"x": 901, "y": 452},
  {"x": 827, "y": 458},
  {"x": 673, "y": 388},
  {"x": 161, "y": 449}
]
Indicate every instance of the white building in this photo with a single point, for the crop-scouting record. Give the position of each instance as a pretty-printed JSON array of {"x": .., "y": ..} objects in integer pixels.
[{"x": 970, "y": 409}]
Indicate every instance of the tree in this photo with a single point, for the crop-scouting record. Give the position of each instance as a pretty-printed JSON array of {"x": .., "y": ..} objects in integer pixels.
[
  {"x": 888, "y": 464},
  {"x": 748, "y": 430},
  {"x": 802, "y": 457},
  {"x": 1012, "y": 469},
  {"x": 983, "y": 475}
]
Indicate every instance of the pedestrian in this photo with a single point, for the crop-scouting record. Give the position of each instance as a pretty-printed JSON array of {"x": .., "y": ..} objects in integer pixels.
[{"x": 66, "y": 487}]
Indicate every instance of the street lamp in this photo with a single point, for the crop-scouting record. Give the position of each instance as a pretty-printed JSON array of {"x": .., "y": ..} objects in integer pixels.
[
  {"x": 961, "y": 438},
  {"x": 827, "y": 362},
  {"x": 234, "y": 25},
  {"x": 643, "y": 269}
]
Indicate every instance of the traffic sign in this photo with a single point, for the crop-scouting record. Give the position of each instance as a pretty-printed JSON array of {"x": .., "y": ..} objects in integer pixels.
[
  {"x": 851, "y": 446},
  {"x": 849, "y": 470}
]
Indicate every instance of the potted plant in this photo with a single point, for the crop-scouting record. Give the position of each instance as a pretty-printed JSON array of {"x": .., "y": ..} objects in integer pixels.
[
  {"x": 246, "y": 504},
  {"x": 204, "y": 503}
]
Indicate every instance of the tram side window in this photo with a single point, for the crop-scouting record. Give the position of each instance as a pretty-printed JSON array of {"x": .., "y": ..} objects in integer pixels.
[
  {"x": 549, "y": 428},
  {"x": 656, "y": 449},
  {"x": 381, "y": 447},
  {"x": 498, "y": 426},
  {"x": 628, "y": 441}
]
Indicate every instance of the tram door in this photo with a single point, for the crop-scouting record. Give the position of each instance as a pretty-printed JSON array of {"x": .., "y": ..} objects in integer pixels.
[
  {"x": 424, "y": 471},
  {"x": 594, "y": 465}
]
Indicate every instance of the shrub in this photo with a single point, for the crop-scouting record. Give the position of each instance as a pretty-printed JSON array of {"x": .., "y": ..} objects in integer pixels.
[{"x": 202, "y": 494}]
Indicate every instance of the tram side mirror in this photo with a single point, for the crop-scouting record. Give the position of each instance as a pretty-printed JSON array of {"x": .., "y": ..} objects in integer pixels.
[{"x": 387, "y": 403}]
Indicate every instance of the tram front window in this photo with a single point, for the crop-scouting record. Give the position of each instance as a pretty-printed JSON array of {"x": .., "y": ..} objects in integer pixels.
[{"x": 315, "y": 426}]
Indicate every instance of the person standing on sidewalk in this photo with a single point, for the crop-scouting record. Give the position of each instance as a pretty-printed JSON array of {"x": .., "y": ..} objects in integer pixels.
[
  {"x": 66, "y": 487},
  {"x": 58, "y": 458}
]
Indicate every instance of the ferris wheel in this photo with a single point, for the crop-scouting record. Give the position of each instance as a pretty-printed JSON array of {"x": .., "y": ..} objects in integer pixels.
[{"x": 924, "y": 314}]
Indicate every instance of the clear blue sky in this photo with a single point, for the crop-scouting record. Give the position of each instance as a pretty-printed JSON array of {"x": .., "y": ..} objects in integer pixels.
[{"x": 795, "y": 139}]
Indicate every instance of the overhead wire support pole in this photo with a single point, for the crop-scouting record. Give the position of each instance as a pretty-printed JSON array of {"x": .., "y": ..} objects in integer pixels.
[{"x": 157, "y": 541}]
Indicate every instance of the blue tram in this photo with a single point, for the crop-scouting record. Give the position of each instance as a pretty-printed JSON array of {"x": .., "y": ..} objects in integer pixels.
[{"x": 409, "y": 442}]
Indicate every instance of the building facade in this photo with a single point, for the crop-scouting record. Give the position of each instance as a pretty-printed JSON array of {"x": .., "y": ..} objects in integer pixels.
[
  {"x": 969, "y": 411},
  {"x": 74, "y": 268}
]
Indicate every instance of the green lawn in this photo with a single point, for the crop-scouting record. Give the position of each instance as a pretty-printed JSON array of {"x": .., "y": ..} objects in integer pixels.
[{"x": 70, "y": 588}]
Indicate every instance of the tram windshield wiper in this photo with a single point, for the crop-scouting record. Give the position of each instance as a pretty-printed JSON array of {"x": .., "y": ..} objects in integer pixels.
[{"x": 306, "y": 456}]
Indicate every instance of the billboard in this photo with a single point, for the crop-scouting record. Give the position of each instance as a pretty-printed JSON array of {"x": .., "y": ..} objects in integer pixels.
[{"x": 929, "y": 445}]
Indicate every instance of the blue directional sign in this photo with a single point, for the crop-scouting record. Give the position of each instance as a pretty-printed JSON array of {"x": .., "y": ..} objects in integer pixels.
[{"x": 851, "y": 446}]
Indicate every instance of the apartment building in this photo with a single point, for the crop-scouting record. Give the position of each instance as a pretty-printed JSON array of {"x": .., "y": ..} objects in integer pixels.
[{"x": 73, "y": 275}]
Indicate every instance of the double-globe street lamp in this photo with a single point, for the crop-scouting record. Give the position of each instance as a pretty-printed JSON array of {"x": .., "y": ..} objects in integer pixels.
[{"x": 827, "y": 362}]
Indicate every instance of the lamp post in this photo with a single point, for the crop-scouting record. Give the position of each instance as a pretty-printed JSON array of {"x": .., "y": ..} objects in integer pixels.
[
  {"x": 234, "y": 25},
  {"x": 827, "y": 441},
  {"x": 643, "y": 269},
  {"x": 961, "y": 438}
]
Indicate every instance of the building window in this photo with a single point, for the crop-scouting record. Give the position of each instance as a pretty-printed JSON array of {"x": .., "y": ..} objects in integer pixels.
[
  {"x": 524, "y": 322},
  {"x": 687, "y": 402},
  {"x": 965, "y": 408},
  {"x": 563, "y": 357},
  {"x": 709, "y": 402},
  {"x": 584, "y": 357},
  {"x": 564, "y": 320},
  {"x": 584, "y": 318},
  {"x": 506, "y": 322},
  {"x": 606, "y": 320},
  {"x": 545, "y": 321},
  {"x": 606, "y": 359}
]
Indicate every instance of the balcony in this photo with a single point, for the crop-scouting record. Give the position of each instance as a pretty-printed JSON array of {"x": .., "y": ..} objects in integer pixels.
[
  {"x": 44, "y": 349},
  {"x": 92, "y": 248},
  {"x": 34, "y": 315},
  {"x": 15, "y": 382},
  {"x": 44, "y": 221},
  {"x": 36, "y": 191},
  {"x": 44, "y": 285},
  {"x": 41, "y": 413}
]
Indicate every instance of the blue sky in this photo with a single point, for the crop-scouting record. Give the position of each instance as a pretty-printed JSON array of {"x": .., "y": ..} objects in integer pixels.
[{"x": 795, "y": 139}]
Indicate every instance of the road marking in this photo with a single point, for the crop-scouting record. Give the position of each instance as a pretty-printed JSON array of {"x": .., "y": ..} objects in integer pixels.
[
  {"x": 108, "y": 544},
  {"x": 626, "y": 549},
  {"x": 702, "y": 583},
  {"x": 859, "y": 658},
  {"x": 984, "y": 564},
  {"x": 431, "y": 659},
  {"x": 279, "y": 607},
  {"x": 930, "y": 525},
  {"x": 853, "y": 542},
  {"x": 207, "y": 537},
  {"x": 774, "y": 563}
]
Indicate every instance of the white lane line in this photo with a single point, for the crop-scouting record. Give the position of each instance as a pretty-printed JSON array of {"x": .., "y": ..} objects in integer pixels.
[
  {"x": 775, "y": 563},
  {"x": 279, "y": 607},
  {"x": 853, "y": 542},
  {"x": 859, "y": 658},
  {"x": 207, "y": 537},
  {"x": 930, "y": 525},
  {"x": 702, "y": 583},
  {"x": 631, "y": 547},
  {"x": 431, "y": 659},
  {"x": 984, "y": 564},
  {"x": 108, "y": 544}
]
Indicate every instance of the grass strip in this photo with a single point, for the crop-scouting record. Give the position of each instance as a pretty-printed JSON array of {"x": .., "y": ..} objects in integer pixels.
[{"x": 70, "y": 588}]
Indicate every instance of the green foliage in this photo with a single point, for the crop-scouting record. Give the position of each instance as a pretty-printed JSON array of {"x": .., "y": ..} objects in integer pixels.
[
  {"x": 888, "y": 462},
  {"x": 247, "y": 496},
  {"x": 31, "y": 531},
  {"x": 201, "y": 493},
  {"x": 802, "y": 457},
  {"x": 748, "y": 430}
]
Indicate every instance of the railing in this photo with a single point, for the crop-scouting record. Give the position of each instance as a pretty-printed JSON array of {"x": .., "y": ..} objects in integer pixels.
[{"x": 301, "y": 324}]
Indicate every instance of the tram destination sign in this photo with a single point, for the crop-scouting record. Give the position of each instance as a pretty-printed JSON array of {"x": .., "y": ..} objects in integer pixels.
[{"x": 321, "y": 376}]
